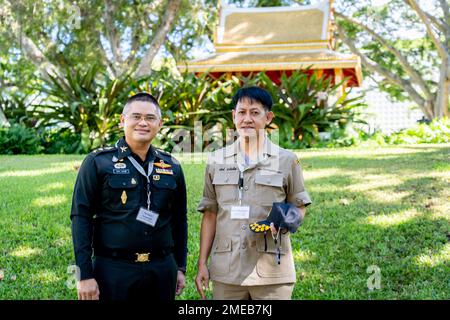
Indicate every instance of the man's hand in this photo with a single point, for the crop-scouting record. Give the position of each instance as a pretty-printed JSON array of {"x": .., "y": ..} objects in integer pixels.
[
  {"x": 88, "y": 290},
  {"x": 202, "y": 280},
  {"x": 181, "y": 282}
]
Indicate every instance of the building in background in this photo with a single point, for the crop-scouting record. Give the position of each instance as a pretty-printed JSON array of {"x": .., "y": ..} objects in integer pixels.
[{"x": 277, "y": 40}]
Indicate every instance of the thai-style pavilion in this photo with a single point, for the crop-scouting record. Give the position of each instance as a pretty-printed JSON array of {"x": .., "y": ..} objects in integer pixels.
[{"x": 277, "y": 39}]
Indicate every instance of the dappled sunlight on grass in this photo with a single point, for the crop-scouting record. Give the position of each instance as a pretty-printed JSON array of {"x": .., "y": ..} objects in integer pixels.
[
  {"x": 191, "y": 158},
  {"x": 388, "y": 196},
  {"x": 301, "y": 255},
  {"x": 394, "y": 219},
  {"x": 49, "y": 201},
  {"x": 432, "y": 260},
  {"x": 369, "y": 152},
  {"x": 33, "y": 173},
  {"x": 370, "y": 182},
  {"x": 52, "y": 186},
  {"x": 45, "y": 276},
  {"x": 321, "y": 173},
  {"x": 25, "y": 252},
  {"x": 33, "y": 168},
  {"x": 63, "y": 241}
]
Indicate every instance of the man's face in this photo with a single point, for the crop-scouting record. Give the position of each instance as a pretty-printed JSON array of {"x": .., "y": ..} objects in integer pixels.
[
  {"x": 250, "y": 118},
  {"x": 141, "y": 122}
]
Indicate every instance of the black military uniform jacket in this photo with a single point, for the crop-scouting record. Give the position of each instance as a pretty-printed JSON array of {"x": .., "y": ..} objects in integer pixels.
[{"x": 107, "y": 196}]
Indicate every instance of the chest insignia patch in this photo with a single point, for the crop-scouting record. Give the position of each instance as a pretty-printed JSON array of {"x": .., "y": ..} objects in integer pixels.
[
  {"x": 162, "y": 165},
  {"x": 124, "y": 197},
  {"x": 164, "y": 171}
]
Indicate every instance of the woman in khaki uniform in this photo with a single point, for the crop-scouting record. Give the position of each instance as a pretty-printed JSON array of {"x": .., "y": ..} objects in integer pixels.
[{"x": 242, "y": 181}]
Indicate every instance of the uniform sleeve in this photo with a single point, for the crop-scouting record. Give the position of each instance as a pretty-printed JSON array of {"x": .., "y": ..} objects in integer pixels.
[
  {"x": 297, "y": 193},
  {"x": 179, "y": 223},
  {"x": 83, "y": 206},
  {"x": 209, "y": 200}
]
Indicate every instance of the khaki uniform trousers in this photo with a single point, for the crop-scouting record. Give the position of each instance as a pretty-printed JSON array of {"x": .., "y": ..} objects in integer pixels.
[{"x": 223, "y": 291}]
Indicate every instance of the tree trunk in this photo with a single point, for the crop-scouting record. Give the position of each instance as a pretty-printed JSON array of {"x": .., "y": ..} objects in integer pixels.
[
  {"x": 3, "y": 121},
  {"x": 160, "y": 35},
  {"x": 441, "y": 105}
]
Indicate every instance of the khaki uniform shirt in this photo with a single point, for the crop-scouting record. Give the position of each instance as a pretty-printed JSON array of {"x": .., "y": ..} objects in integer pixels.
[{"x": 238, "y": 255}]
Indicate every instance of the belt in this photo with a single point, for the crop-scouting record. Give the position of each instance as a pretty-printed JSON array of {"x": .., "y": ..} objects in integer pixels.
[{"x": 128, "y": 255}]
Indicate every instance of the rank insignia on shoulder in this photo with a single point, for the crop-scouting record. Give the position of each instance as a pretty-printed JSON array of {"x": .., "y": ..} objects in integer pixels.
[
  {"x": 162, "y": 165},
  {"x": 164, "y": 171},
  {"x": 120, "y": 165},
  {"x": 123, "y": 149},
  {"x": 156, "y": 177}
]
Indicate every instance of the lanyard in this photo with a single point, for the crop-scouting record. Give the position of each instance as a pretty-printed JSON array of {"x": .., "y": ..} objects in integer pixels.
[
  {"x": 241, "y": 181},
  {"x": 146, "y": 175}
]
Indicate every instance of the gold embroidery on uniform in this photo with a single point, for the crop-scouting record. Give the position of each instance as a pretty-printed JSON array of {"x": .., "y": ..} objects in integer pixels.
[
  {"x": 162, "y": 165},
  {"x": 124, "y": 197},
  {"x": 163, "y": 171}
]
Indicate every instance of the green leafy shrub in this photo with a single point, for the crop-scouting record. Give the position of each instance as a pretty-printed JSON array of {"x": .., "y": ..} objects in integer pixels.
[
  {"x": 438, "y": 131},
  {"x": 90, "y": 103},
  {"x": 60, "y": 141},
  {"x": 18, "y": 139}
]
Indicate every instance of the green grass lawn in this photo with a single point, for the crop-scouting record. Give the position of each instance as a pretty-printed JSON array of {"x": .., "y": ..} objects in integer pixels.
[{"x": 385, "y": 207}]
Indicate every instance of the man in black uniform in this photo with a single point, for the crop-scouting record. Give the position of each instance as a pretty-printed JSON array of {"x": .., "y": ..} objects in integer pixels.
[{"x": 129, "y": 213}]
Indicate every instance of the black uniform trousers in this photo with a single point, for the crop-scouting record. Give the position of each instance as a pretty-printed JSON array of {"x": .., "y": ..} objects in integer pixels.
[{"x": 124, "y": 280}]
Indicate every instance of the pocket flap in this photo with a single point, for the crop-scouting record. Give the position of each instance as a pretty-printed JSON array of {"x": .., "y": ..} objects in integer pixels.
[
  {"x": 273, "y": 179},
  {"x": 222, "y": 245},
  {"x": 271, "y": 246},
  {"x": 123, "y": 182},
  {"x": 227, "y": 177},
  {"x": 165, "y": 182}
]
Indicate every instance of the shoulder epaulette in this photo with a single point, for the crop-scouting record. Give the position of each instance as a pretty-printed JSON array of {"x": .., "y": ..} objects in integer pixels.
[
  {"x": 162, "y": 152},
  {"x": 166, "y": 156},
  {"x": 101, "y": 150}
]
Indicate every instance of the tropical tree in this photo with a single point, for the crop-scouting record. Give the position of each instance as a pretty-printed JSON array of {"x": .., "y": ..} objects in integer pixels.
[
  {"x": 417, "y": 67},
  {"x": 91, "y": 105},
  {"x": 404, "y": 43}
]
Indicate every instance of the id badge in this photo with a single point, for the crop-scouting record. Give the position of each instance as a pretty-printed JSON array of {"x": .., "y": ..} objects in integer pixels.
[
  {"x": 240, "y": 212},
  {"x": 147, "y": 216}
]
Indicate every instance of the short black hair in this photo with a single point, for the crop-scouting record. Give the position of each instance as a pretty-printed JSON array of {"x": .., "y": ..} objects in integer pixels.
[
  {"x": 253, "y": 94},
  {"x": 142, "y": 96}
]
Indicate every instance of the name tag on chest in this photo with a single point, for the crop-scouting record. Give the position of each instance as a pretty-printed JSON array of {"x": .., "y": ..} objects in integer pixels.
[
  {"x": 147, "y": 216},
  {"x": 240, "y": 212}
]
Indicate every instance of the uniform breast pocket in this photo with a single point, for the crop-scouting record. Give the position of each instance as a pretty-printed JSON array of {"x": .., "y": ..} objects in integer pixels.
[
  {"x": 267, "y": 265},
  {"x": 123, "y": 192},
  {"x": 226, "y": 186},
  {"x": 269, "y": 187},
  {"x": 163, "y": 192}
]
